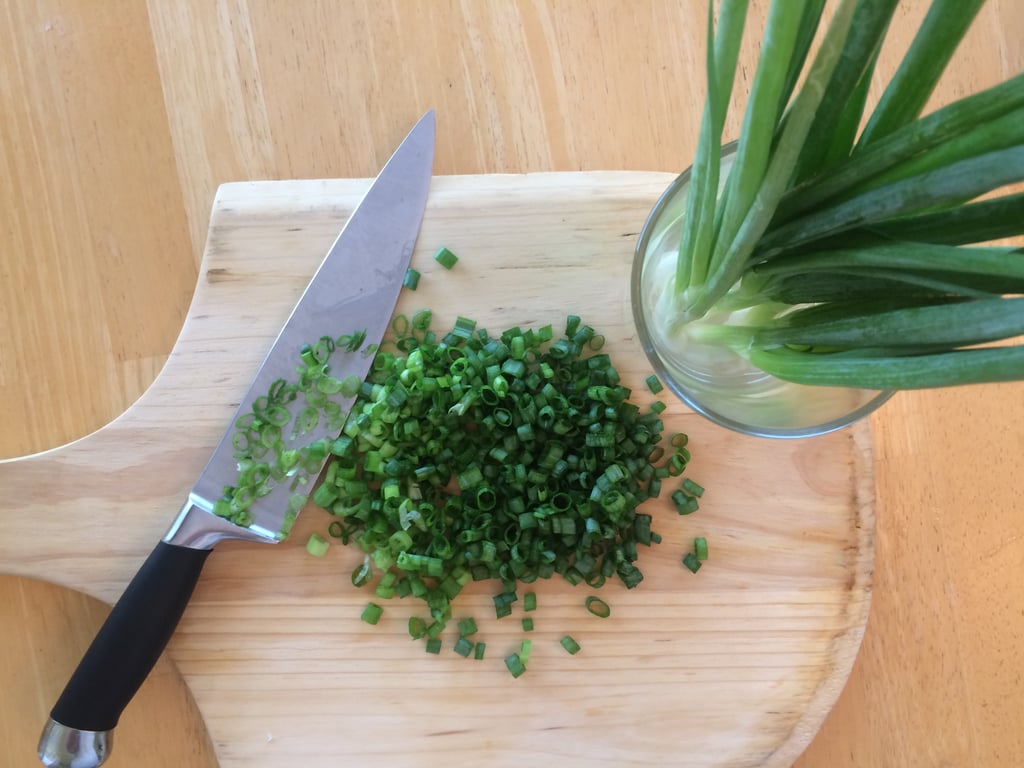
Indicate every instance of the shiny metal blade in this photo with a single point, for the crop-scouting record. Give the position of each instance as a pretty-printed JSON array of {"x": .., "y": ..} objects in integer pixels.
[{"x": 355, "y": 289}]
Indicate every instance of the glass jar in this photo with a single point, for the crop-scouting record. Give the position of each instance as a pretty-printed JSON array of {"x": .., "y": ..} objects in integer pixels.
[{"x": 711, "y": 378}]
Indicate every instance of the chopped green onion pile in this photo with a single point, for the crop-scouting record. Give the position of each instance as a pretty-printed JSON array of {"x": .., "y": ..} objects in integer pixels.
[
  {"x": 514, "y": 457},
  {"x": 852, "y": 253},
  {"x": 511, "y": 457}
]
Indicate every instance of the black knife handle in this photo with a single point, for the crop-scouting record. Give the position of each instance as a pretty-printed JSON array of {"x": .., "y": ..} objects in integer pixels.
[{"x": 130, "y": 640}]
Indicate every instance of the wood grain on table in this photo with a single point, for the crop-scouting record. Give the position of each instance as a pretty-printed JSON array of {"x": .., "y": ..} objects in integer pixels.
[{"x": 119, "y": 120}]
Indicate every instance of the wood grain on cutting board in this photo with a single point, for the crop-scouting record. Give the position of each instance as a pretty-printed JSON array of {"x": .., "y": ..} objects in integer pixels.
[{"x": 740, "y": 662}]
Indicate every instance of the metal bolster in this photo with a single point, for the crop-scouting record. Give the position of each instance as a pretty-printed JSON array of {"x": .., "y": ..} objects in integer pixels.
[
  {"x": 196, "y": 527},
  {"x": 64, "y": 747}
]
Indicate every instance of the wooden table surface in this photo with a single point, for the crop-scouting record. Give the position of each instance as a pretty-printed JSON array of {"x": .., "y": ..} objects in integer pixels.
[{"x": 118, "y": 120}]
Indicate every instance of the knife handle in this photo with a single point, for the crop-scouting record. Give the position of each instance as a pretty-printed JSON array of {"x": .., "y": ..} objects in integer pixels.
[{"x": 119, "y": 659}]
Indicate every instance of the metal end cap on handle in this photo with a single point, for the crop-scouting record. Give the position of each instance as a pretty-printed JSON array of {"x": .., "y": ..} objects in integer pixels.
[{"x": 64, "y": 747}]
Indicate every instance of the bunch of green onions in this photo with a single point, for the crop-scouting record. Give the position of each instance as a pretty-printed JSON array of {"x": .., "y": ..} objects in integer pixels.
[{"x": 854, "y": 251}]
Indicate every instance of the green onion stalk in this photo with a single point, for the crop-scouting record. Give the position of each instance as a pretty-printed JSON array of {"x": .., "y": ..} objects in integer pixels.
[{"x": 851, "y": 248}]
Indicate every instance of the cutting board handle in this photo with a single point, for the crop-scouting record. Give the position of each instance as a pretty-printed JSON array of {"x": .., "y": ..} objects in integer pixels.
[{"x": 119, "y": 659}]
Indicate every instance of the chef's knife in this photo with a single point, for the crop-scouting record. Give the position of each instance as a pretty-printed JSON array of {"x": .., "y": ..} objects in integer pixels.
[{"x": 353, "y": 291}]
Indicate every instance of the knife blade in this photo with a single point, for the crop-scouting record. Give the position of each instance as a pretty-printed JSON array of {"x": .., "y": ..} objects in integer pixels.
[{"x": 354, "y": 290}]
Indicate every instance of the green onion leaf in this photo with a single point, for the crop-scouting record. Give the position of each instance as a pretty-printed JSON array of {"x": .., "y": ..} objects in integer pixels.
[{"x": 944, "y": 25}]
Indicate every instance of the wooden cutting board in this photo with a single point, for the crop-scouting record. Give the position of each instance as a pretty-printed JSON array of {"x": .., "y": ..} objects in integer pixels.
[{"x": 734, "y": 666}]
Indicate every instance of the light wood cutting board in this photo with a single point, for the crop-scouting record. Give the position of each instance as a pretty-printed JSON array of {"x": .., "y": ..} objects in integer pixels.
[{"x": 735, "y": 666}]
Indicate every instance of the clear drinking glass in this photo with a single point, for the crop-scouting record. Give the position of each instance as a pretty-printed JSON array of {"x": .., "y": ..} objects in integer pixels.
[{"x": 712, "y": 378}]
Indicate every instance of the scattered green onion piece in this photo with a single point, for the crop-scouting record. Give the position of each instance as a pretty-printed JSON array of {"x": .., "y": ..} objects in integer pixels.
[
  {"x": 598, "y": 607},
  {"x": 514, "y": 664},
  {"x": 654, "y": 384},
  {"x": 803, "y": 182},
  {"x": 417, "y": 627},
  {"x": 411, "y": 279},
  {"x": 479, "y": 649},
  {"x": 463, "y": 647},
  {"x": 467, "y": 627},
  {"x": 433, "y": 645},
  {"x": 507, "y": 418},
  {"x": 684, "y": 503},
  {"x": 690, "y": 561},
  {"x": 525, "y": 649},
  {"x": 700, "y": 548},
  {"x": 337, "y": 530},
  {"x": 403, "y": 588},
  {"x": 372, "y": 613},
  {"x": 570, "y": 645},
  {"x": 445, "y": 258},
  {"x": 527, "y": 624},
  {"x": 317, "y": 545},
  {"x": 692, "y": 488},
  {"x": 361, "y": 573},
  {"x": 530, "y": 601}
]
